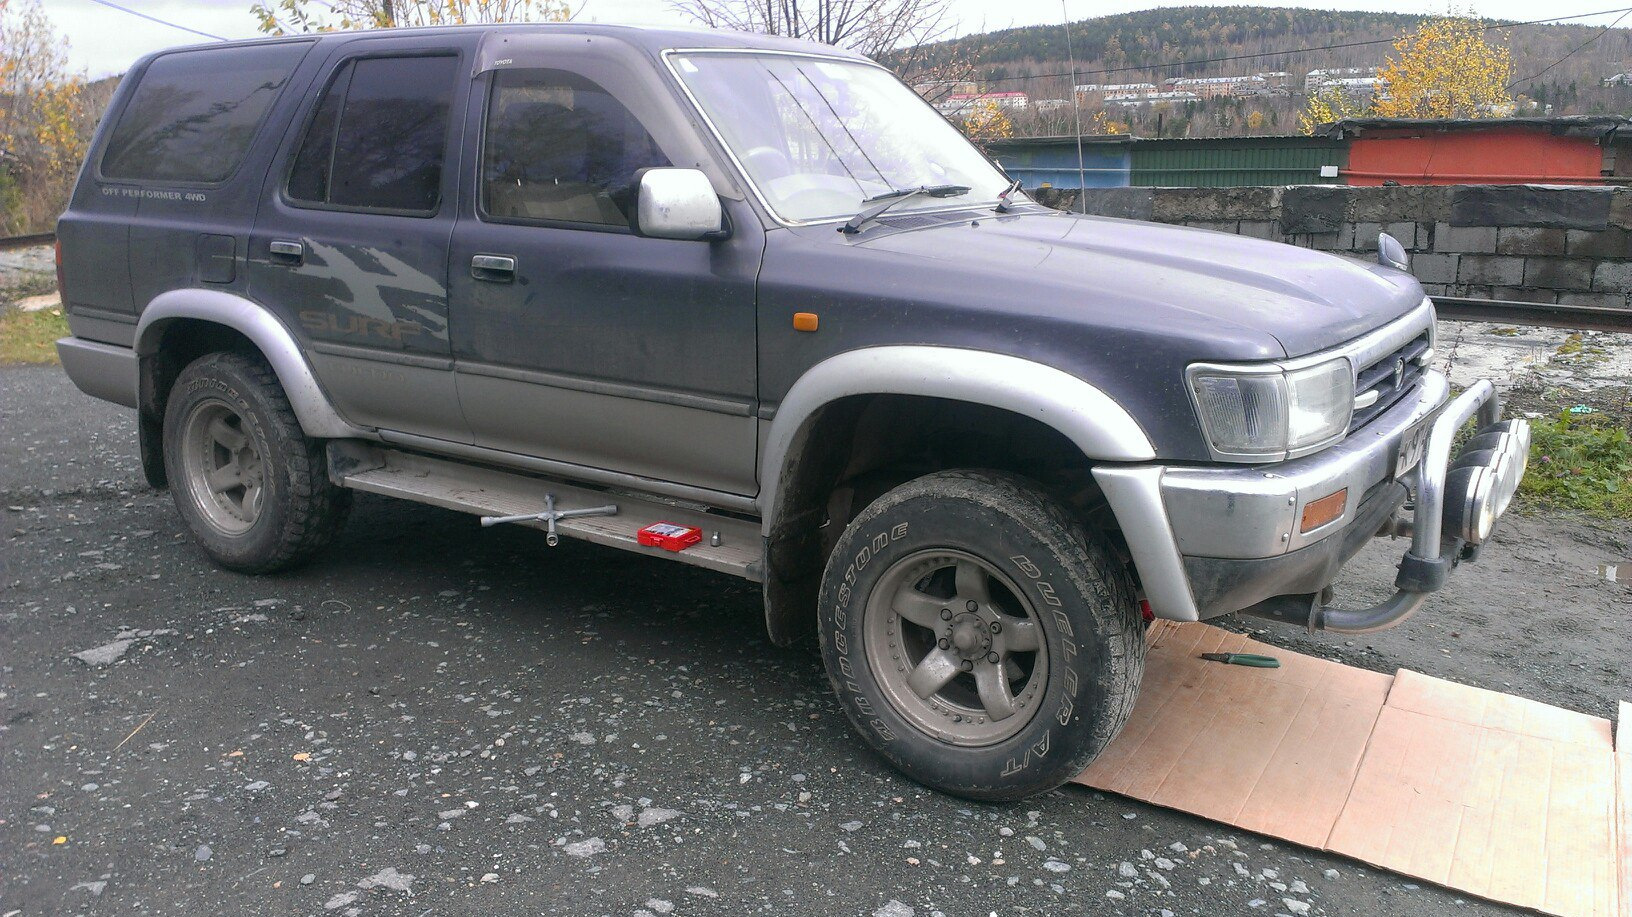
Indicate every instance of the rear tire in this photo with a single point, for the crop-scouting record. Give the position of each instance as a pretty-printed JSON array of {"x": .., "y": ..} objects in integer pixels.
[
  {"x": 253, "y": 490},
  {"x": 979, "y": 639}
]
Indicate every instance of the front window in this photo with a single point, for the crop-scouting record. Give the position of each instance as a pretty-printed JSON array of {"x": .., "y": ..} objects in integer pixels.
[
  {"x": 820, "y": 137},
  {"x": 560, "y": 148}
]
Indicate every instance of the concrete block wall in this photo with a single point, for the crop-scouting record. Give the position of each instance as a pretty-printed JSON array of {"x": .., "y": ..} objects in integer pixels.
[{"x": 1525, "y": 243}]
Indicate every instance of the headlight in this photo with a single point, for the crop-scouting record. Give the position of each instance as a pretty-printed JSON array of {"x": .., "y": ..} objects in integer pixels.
[{"x": 1269, "y": 411}]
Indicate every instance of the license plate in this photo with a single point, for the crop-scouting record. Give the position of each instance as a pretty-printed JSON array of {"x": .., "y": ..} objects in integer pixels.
[{"x": 1410, "y": 450}]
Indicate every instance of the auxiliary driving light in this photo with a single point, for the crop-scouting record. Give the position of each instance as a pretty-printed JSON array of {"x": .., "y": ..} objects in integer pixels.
[
  {"x": 1470, "y": 507},
  {"x": 1519, "y": 430},
  {"x": 1515, "y": 436}
]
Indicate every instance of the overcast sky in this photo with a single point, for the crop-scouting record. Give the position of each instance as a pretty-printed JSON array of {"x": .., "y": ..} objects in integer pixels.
[{"x": 105, "y": 41}]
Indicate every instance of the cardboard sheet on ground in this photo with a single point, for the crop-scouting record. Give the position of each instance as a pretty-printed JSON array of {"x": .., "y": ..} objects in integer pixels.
[{"x": 1495, "y": 795}]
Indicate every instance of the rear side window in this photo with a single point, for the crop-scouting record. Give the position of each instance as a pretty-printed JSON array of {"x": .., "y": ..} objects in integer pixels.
[
  {"x": 377, "y": 138},
  {"x": 194, "y": 113}
]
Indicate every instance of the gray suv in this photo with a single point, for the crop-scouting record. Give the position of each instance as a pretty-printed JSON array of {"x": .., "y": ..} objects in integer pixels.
[{"x": 595, "y": 278}]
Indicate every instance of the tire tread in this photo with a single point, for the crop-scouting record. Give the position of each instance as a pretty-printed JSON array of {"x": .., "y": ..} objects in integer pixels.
[
  {"x": 317, "y": 507},
  {"x": 1116, "y": 614}
]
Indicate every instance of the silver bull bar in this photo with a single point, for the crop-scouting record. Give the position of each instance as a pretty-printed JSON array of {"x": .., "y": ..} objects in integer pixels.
[{"x": 1473, "y": 491}]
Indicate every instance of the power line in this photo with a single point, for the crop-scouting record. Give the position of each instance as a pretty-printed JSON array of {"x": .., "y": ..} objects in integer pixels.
[
  {"x": 1334, "y": 47},
  {"x": 156, "y": 19},
  {"x": 1601, "y": 33}
]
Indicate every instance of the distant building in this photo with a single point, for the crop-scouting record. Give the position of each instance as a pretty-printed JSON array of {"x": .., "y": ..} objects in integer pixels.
[
  {"x": 1317, "y": 80},
  {"x": 961, "y": 104},
  {"x": 935, "y": 89},
  {"x": 1107, "y": 90},
  {"x": 1207, "y": 87},
  {"x": 1212, "y": 87},
  {"x": 1619, "y": 79},
  {"x": 1359, "y": 86},
  {"x": 1119, "y": 88},
  {"x": 1151, "y": 97}
]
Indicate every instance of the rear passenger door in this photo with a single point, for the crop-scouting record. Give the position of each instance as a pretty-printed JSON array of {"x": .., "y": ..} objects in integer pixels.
[
  {"x": 169, "y": 202},
  {"x": 350, "y": 244},
  {"x": 577, "y": 340}
]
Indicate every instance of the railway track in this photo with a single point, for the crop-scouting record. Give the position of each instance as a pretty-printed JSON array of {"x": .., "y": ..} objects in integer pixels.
[
  {"x": 1452, "y": 308},
  {"x": 1551, "y": 315},
  {"x": 9, "y": 243}
]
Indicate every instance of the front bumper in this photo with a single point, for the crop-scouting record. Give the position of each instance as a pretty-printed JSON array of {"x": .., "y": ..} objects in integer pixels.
[{"x": 1213, "y": 540}]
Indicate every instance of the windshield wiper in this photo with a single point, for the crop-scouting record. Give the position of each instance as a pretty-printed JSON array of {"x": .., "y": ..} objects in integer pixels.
[{"x": 883, "y": 202}]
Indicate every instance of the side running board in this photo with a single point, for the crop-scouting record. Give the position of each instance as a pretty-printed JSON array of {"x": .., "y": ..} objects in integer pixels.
[{"x": 730, "y": 544}]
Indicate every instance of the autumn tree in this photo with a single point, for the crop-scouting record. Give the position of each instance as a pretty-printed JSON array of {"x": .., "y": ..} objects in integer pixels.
[
  {"x": 870, "y": 27},
  {"x": 987, "y": 121},
  {"x": 1328, "y": 105},
  {"x": 45, "y": 124},
  {"x": 288, "y": 17},
  {"x": 1105, "y": 124},
  {"x": 1445, "y": 69}
]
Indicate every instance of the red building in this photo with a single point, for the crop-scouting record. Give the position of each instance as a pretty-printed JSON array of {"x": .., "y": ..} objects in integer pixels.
[{"x": 1577, "y": 150}]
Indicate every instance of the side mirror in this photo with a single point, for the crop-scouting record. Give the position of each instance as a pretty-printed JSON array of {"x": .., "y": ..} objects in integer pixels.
[
  {"x": 677, "y": 204},
  {"x": 1390, "y": 253}
]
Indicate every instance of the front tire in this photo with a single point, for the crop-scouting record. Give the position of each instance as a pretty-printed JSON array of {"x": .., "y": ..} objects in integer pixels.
[
  {"x": 979, "y": 639},
  {"x": 253, "y": 490}
]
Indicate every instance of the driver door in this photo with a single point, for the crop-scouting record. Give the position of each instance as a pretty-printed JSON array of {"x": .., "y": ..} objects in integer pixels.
[{"x": 574, "y": 339}]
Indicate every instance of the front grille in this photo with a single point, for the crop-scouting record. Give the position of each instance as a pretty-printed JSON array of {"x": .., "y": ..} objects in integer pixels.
[{"x": 1391, "y": 378}]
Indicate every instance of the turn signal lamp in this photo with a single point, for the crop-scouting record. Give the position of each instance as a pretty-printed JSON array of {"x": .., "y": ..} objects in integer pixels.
[{"x": 1327, "y": 509}]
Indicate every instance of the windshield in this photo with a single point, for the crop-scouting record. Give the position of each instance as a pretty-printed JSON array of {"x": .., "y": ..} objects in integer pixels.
[{"x": 820, "y": 137}]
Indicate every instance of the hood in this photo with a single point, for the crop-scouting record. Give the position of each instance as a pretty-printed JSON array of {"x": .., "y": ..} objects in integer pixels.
[{"x": 1187, "y": 279}]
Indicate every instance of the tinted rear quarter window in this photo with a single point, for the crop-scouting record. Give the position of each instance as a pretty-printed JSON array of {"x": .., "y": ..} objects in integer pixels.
[
  {"x": 377, "y": 138},
  {"x": 194, "y": 113}
]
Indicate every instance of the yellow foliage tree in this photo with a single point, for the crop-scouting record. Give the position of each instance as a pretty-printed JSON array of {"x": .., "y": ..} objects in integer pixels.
[
  {"x": 1108, "y": 125},
  {"x": 44, "y": 121},
  {"x": 1445, "y": 69},
  {"x": 1255, "y": 120},
  {"x": 987, "y": 121},
  {"x": 287, "y": 17},
  {"x": 1327, "y": 105}
]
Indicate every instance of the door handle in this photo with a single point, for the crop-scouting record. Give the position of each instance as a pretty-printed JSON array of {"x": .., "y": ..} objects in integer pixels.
[
  {"x": 286, "y": 252},
  {"x": 493, "y": 268}
]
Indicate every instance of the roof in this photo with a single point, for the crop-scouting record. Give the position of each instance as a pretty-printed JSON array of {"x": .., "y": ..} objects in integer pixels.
[
  {"x": 1090, "y": 139},
  {"x": 1595, "y": 126},
  {"x": 653, "y": 40},
  {"x": 1058, "y": 139}
]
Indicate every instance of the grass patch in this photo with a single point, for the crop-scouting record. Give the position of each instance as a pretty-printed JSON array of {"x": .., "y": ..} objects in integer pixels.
[
  {"x": 30, "y": 337},
  {"x": 1581, "y": 462}
]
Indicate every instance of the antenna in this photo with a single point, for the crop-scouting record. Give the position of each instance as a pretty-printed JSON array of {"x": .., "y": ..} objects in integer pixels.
[{"x": 1076, "y": 108}]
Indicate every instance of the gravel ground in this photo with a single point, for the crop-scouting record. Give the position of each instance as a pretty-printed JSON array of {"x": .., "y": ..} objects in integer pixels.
[
  {"x": 36, "y": 260},
  {"x": 438, "y": 719}
]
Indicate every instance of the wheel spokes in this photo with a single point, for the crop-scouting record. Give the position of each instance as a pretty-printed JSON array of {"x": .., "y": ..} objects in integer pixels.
[
  {"x": 252, "y": 500},
  {"x": 932, "y": 674},
  {"x": 922, "y": 610},
  {"x": 992, "y": 684},
  {"x": 1020, "y": 635},
  {"x": 226, "y": 477},
  {"x": 971, "y": 582},
  {"x": 225, "y": 436}
]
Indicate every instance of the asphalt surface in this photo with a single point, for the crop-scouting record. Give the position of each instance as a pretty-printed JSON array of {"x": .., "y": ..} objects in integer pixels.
[{"x": 440, "y": 719}]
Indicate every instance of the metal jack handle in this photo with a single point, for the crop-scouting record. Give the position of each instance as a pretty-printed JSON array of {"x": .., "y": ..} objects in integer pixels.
[{"x": 550, "y": 516}]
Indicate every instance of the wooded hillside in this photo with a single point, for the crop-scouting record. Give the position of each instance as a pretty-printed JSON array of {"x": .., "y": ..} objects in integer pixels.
[{"x": 1150, "y": 46}]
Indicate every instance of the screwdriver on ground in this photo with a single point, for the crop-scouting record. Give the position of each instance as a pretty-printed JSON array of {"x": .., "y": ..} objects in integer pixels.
[{"x": 1252, "y": 659}]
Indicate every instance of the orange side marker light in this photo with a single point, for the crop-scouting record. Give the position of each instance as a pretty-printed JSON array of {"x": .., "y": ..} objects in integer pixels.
[
  {"x": 1327, "y": 509},
  {"x": 804, "y": 321}
]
